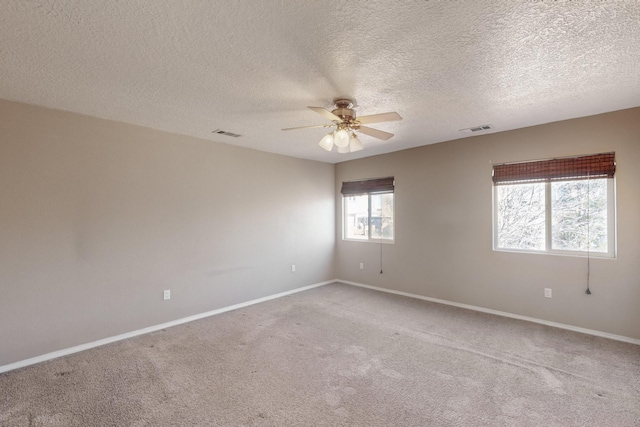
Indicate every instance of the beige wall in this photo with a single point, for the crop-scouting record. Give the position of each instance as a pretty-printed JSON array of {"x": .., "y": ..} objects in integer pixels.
[
  {"x": 97, "y": 218},
  {"x": 443, "y": 223}
]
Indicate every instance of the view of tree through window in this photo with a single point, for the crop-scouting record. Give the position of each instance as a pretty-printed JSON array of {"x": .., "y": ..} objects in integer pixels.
[
  {"x": 574, "y": 218},
  {"x": 521, "y": 216},
  {"x": 579, "y": 215}
]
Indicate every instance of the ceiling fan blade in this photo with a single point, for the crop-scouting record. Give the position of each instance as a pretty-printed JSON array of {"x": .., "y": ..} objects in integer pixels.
[
  {"x": 377, "y": 118},
  {"x": 309, "y": 127},
  {"x": 375, "y": 133},
  {"x": 327, "y": 114}
]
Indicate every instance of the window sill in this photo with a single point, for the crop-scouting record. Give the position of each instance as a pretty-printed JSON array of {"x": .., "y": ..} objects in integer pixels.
[
  {"x": 592, "y": 255},
  {"x": 385, "y": 241}
]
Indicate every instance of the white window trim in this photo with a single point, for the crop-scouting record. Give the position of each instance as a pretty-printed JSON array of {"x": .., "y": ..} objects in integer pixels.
[{"x": 612, "y": 222}]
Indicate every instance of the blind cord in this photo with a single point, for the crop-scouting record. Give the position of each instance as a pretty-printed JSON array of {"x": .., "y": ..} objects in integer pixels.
[
  {"x": 380, "y": 257},
  {"x": 588, "y": 291}
]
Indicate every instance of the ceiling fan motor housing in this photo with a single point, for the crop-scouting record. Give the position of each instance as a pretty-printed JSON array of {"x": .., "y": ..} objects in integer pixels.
[
  {"x": 344, "y": 110},
  {"x": 345, "y": 113}
]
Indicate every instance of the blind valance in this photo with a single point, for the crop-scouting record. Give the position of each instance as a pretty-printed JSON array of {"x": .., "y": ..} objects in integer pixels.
[
  {"x": 601, "y": 165},
  {"x": 366, "y": 186}
]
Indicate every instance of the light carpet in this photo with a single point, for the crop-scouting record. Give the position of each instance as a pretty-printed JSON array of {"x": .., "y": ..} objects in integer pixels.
[{"x": 337, "y": 355}]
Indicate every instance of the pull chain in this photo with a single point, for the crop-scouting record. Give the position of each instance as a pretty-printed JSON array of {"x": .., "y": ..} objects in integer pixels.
[{"x": 588, "y": 291}]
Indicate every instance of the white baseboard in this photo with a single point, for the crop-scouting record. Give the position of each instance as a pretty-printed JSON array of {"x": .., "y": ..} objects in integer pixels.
[
  {"x": 81, "y": 347},
  {"x": 71, "y": 350},
  {"x": 500, "y": 313}
]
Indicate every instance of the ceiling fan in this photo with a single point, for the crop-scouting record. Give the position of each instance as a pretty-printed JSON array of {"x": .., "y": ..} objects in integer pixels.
[{"x": 345, "y": 123}]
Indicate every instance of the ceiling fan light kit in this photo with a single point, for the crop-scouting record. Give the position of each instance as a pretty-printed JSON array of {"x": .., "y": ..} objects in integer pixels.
[
  {"x": 344, "y": 149},
  {"x": 345, "y": 122},
  {"x": 327, "y": 142},
  {"x": 341, "y": 138},
  {"x": 354, "y": 143}
]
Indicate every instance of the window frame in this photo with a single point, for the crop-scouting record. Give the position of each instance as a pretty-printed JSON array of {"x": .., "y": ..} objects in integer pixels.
[
  {"x": 611, "y": 225},
  {"x": 370, "y": 187}
]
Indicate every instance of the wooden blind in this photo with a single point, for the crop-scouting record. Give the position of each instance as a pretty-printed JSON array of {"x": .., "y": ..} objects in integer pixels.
[
  {"x": 570, "y": 168},
  {"x": 366, "y": 186}
]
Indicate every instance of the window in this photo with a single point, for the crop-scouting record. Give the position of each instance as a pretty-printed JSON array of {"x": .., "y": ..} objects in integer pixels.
[
  {"x": 563, "y": 206},
  {"x": 368, "y": 209}
]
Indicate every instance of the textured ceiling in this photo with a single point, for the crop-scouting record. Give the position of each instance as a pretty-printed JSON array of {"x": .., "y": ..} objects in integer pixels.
[{"x": 252, "y": 67}]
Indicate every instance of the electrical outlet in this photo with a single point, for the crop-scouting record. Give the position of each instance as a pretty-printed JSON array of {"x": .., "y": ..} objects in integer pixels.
[
  {"x": 293, "y": 268},
  {"x": 547, "y": 292},
  {"x": 362, "y": 266},
  {"x": 167, "y": 294}
]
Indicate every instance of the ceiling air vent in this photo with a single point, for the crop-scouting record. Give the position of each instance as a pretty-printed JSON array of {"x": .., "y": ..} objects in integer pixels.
[
  {"x": 225, "y": 133},
  {"x": 475, "y": 129}
]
